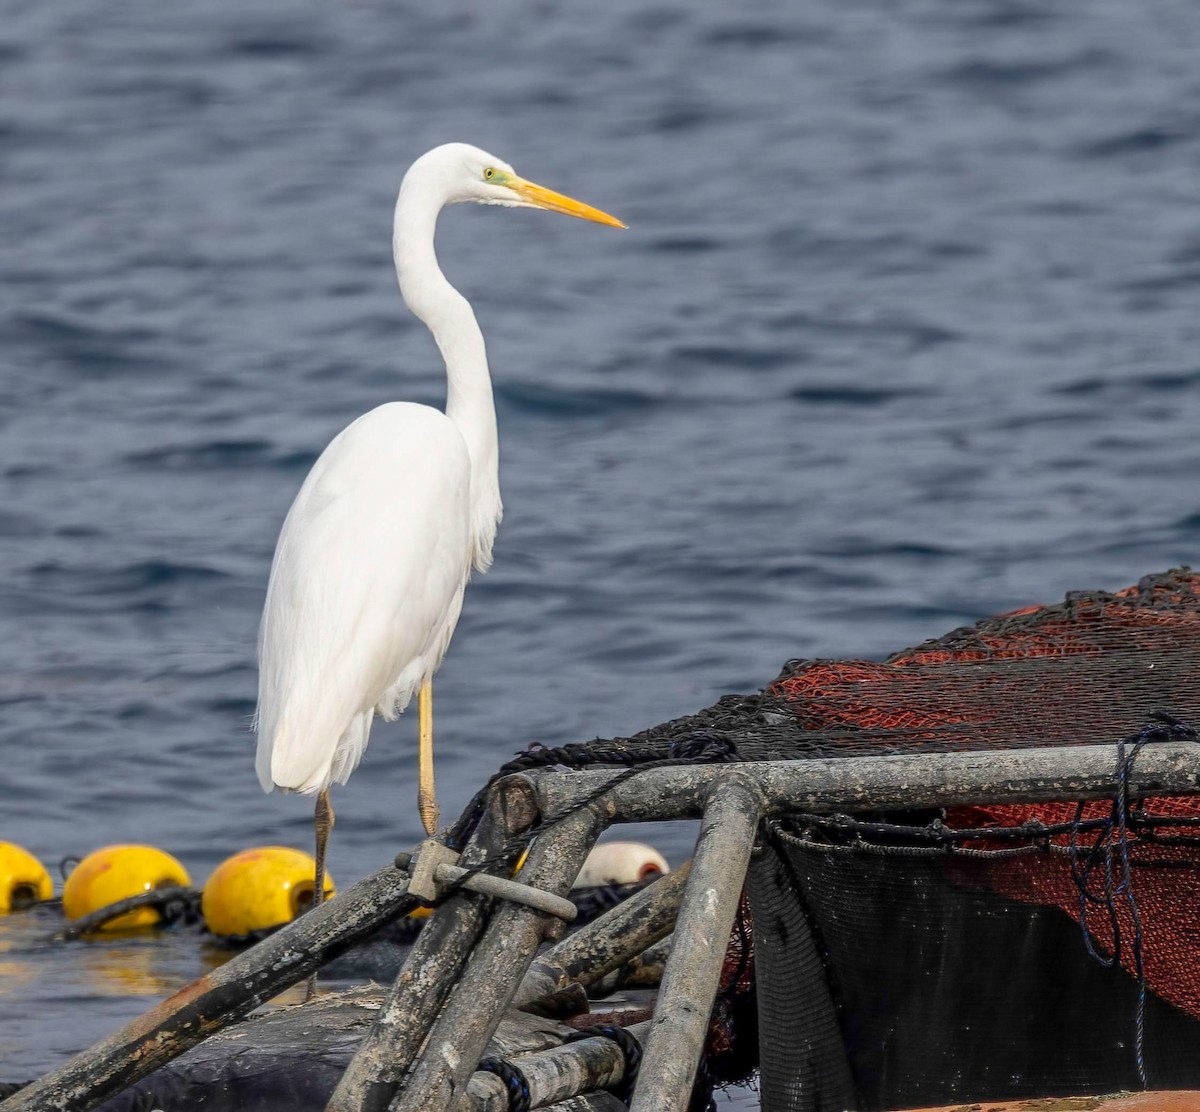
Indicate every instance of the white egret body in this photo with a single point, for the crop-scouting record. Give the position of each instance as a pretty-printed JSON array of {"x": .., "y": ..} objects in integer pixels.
[{"x": 372, "y": 561}]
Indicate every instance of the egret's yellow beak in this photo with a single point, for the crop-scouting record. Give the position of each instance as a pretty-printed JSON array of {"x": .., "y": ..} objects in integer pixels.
[{"x": 541, "y": 197}]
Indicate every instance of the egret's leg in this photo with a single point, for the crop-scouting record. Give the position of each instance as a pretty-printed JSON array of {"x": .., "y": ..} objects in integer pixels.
[
  {"x": 322, "y": 825},
  {"x": 426, "y": 800}
]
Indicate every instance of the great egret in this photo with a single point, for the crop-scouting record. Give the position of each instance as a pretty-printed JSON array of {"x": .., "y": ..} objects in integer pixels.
[{"x": 374, "y": 555}]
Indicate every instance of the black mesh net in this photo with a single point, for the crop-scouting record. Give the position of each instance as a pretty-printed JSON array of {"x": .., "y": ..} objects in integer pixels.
[{"x": 892, "y": 971}]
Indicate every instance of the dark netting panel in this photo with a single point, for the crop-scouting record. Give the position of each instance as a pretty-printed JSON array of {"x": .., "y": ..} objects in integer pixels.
[
  {"x": 935, "y": 989},
  {"x": 987, "y": 952},
  {"x": 804, "y": 1066}
]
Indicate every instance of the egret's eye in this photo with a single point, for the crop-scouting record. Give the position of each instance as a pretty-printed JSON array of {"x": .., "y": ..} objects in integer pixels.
[{"x": 489, "y": 173}]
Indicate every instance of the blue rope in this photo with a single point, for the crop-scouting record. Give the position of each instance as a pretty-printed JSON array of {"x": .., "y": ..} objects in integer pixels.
[{"x": 514, "y": 1082}]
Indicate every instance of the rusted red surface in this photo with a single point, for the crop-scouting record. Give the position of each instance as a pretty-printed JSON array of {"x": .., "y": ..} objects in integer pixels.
[{"x": 1173, "y": 1101}]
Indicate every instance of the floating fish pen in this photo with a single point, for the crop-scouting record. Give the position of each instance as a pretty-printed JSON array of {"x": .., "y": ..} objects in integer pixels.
[{"x": 970, "y": 872}]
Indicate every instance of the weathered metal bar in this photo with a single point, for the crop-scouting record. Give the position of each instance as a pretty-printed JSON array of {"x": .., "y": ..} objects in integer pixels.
[
  {"x": 460, "y": 1035},
  {"x": 431, "y": 968},
  {"x": 617, "y": 936},
  {"x": 883, "y": 783},
  {"x": 434, "y": 869},
  {"x": 676, "y": 1036},
  {"x": 218, "y": 998},
  {"x": 565, "y": 1071},
  {"x": 644, "y": 970},
  {"x": 502, "y": 889},
  {"x": 526, "y": 1033}
]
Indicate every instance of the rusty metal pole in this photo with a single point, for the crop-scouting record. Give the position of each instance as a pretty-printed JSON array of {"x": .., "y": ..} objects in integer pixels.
[
  {"x": 619, "y": 935},
  {"x": 459, "y": 1037},
  {"x": 689, "y": 985},
  {"x": 209, "y": 1003},
  {"x": 644, "y": 970},
  {"x": 432, "y": 966}
]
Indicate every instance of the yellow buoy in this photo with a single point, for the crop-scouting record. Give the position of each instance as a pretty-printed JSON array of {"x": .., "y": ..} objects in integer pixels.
[
  {"x": 23, "y": 878},
  {"x": 116, "y": 873},
  {"x": 258, "y": 889}
]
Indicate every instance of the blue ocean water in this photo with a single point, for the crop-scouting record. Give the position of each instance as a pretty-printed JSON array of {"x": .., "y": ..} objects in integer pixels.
[{"x": 903, "y": 333}]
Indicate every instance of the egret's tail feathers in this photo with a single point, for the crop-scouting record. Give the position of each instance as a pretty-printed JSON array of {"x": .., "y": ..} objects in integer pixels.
[
  {"x": 305, "y": 760},
  {"x": 351, "y": 746},
  {"x": 399, "y": 695},
  {"x": 262, "y": 765}
]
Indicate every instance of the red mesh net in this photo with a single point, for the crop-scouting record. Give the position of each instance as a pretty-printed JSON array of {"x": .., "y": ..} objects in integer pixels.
[
  {"x": 1091, "y": 670},
  {"x": 1085, "y": 671}
]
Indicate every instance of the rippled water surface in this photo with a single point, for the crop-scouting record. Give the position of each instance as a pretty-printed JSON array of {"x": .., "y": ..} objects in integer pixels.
[{"x": 903, "y": 333}]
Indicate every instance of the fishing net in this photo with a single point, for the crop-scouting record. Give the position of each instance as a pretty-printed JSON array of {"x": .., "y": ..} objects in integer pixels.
[{"x": 1019, "y": 950}]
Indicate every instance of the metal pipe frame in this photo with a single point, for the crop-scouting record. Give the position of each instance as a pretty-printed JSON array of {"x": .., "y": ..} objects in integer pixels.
[
  {"x": 871, "y": 783},
  {"x": 617, "y": 936},
  {"x": 431, "y": 968},
  {"x": 675, "y": 1040},
  {"x": 459, "y": 1037}
]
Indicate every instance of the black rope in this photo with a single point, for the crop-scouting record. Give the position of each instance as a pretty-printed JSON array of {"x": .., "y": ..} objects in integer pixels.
[
  {"x": 515, "y": 1084},
  {"x": 941, "y": 835},
  {"x": 699, "y": 747},
  {"x": 173, "y": 905},
  {"x": 631, "y": 1049},
  {"x": 1111, "y": 852},
  {"x": 697, "y": 744},
  {"x": 593, "y": 901},
  {"x": 804, "y": 841}
]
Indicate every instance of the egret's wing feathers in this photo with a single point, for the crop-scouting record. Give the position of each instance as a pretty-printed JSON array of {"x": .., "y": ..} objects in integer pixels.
[{"x": 365, "y": 590}]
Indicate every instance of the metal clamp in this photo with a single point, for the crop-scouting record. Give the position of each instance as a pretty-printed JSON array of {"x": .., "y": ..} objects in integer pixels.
[{"x": 433, "y": 868}]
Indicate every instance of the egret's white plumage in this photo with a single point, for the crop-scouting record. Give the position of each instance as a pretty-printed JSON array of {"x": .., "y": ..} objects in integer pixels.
[
  {"x": 365, "y": 590},
  {"x": 373, "y": 558}
]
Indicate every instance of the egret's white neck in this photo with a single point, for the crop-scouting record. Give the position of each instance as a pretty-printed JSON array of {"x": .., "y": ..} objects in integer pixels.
[{"x": 448, "y": 315}]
